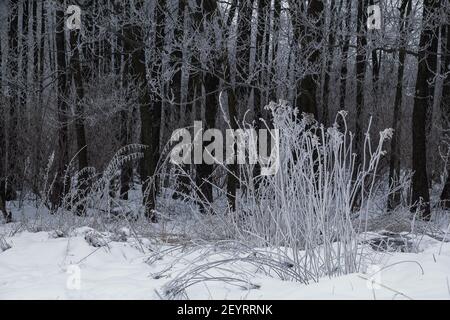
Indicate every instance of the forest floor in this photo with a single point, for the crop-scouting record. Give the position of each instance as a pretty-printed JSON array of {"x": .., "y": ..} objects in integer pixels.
[{"x": 87, "y": 264}]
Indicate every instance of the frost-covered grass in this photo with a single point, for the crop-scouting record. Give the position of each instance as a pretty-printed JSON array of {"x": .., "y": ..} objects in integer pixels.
[{"x": 318, "y": 202}]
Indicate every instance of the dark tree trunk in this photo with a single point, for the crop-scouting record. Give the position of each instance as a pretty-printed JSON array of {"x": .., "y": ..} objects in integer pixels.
[
  {"x": 24, "y": 53},
  {"x": 311, "y": 41},
  {"x": 193, "y": 106},
  {"x": 231, "y": 180},
  {"x": 62, "y": 154},
  {"x": 204, "y": 170},
  {"x": 375, "y": 68},
  {"x": 82, "y": 148},
  {"x": 79, "y": 121},
  {"x": 39, "y": 58},
  {"x": 260, "y": 72},
  {"x": 329, "y": 62},
  {"x": 423, "y": 101},
  {"x": 445, "y": 107},
  {"x": 2, "y": 119},
  {"x": 376, "y": 63},
  {"x": 22, "y": 119},
  {"x": 240, "y": 92},
  {"x": 150, "y": 104},
  {"x": 262, "y": 58},
  {"x": 273, "y": 86},
  {"x": 125, "y": 131},
  {"x": 125, "y": 118},
  {"x": 211, "y": 83},
  {"x": 395, "y": 159},
  {"x": 345, "y": 48},
  {"x": 122, "y": 60},
  {"x": 361, "y": 64},
  {"x": 11, "y": 134},
  {"x": 183, "y": 175},
  {"x": 232, "y": 175}
]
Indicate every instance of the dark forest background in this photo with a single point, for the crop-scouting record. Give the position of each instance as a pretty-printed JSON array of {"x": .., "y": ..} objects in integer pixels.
[{"x": 139, "y": 69}]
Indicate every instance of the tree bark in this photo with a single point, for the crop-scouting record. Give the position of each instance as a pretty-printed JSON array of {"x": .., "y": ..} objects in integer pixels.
[
  {"x": 346, "y": 46},
  {"x": 423, "y": 101},
  {"x": 11, "y": 121},
  {"x": 39, "y": 59},
  {"x": 361, "y": 64},
  {"x": 150, "y": 104},
  {"x": 62, "y": 154},
  {"x": 311, "y": 39},
  {"x": 211, "y": 83},
  {"x": 328, "y": 64},
  {"x": 395, "y": 159},
  {"x": 445, "y": 109},
  {"x": 82, "y": 148},
  {"x": 239, "y": 91}
]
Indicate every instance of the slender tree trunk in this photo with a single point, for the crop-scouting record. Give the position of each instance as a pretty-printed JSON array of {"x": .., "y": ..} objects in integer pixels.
[
  {"x": 122, "y": 68},
  {"x": 346, "y": 46},
  {"x": 23, "y": 112},
  {"x": 150, "y": 104},
  {"x": 178, "y": 64},
  {"x": 82, "y": 148},
  {"x": 39, "y": 60},
  {"x": 262, "y": 58},
  {"x": 259, "y": 71},
  {"x": 240, "y": 91},
  {"x": 2, "y": 111},
  {"x": 395, "y": 159},
  {"x": 24, "y": 53},
  {"x": 376, "y": 57},
  {"x": 272, "y": 78},
  {"x": 361, "y": 64},
  {"x": 194, "y": 89},
  {"x": 62, "y": 154},
  {"x": 211, "y": 84},
  {"x": 11, "y": 133},
  {"x": 311, "y": 41},
  {"x": 423, "y": 101},
  {"x": 204, "y": 170},
  {"x": 445, "y": 107},
  {"x": 126, "y": 174},
  {"x": 232, "y": 175},
  {"x": 329, "y": 62}
]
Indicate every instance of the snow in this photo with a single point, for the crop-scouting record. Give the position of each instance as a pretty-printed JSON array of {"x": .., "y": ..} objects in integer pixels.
[
  {"x": 40, "y": 266},
  {"x": 36, "y": 268}
]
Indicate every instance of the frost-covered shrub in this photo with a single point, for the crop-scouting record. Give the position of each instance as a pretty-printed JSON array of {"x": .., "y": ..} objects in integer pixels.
[
  {"x": 307, "y": 209},
  {"x": 89, "y": 198},
  {"x": 307, "y": 205}
]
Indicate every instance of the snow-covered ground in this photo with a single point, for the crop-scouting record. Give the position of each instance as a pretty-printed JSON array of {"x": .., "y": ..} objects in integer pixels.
[{"x": 43, "y": 265}]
